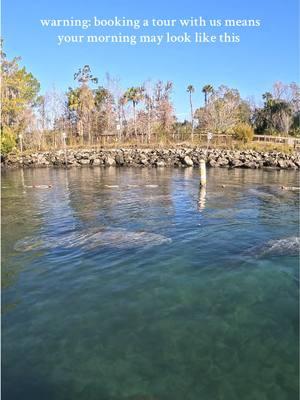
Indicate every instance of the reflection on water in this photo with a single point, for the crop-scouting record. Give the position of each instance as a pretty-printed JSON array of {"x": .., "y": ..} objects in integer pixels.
[
  {"x": 202, "y": 196},
  {"x": 136, "y": 284}
]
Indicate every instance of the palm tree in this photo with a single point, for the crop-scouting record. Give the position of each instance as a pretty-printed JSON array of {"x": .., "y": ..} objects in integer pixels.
[
  {"x": 84, "y": 75},
  {"x": 149, "y": 106},
  {"x": 190, "y": 89},
  {"x": 134, "y": 94},
  {"x": 282, "y": 115},
  {"x": 122, "y": 104},
  {"x": 267, "y": 96},
  {"x": 207, "y": 90}
]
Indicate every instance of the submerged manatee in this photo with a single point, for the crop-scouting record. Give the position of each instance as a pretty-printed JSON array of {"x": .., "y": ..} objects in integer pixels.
[
  {"x": 44, "y": 241},
  {"x": 114, "y": 237},
  {"x": 265, "y": 194},
  {"x": 123, "y": 239},
  {"x": 281, "y": 247}
]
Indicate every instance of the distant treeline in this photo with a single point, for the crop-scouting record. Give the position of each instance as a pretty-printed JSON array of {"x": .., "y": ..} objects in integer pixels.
[{"x": 88, "y": 112}]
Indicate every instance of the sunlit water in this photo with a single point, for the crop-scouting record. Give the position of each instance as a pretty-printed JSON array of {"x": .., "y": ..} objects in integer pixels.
[{"x": 133, "y": 284}]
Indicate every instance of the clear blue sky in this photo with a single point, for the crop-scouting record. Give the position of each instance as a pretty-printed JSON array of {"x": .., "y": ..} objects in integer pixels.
[{"x": 265, "y": 54}]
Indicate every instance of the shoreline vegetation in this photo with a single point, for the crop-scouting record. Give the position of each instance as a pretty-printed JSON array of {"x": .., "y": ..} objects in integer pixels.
[{"x": 93, "y": 115}]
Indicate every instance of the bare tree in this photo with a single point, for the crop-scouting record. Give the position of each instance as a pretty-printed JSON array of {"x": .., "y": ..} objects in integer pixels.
[
  {"x": 149, "y": 102},
  {"x": 223, "y": 111},
  {"x": 84, "y": 104},
  {"x": 191, "y": 90}
]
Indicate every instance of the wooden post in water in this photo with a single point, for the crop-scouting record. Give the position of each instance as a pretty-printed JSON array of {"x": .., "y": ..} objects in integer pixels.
[{"x": 202, "y": 173}]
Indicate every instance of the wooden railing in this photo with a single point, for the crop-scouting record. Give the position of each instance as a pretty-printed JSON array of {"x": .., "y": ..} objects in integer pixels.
[
  {"x": 217, "y": 139},
  {"x": 290, "y": 141}
]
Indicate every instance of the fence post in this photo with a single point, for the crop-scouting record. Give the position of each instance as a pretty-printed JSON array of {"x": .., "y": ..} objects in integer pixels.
[{"x": 21, "y": 142}]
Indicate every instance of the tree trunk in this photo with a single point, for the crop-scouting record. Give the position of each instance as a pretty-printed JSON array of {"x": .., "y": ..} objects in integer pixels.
[
  {"x": 192, "y": 117},
  {"x": 134, "y": 120},
  {"x": 149, "y": 124}
]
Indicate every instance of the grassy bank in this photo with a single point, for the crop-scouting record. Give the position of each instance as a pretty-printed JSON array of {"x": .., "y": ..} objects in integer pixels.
[{"x": 234, "y": 145}]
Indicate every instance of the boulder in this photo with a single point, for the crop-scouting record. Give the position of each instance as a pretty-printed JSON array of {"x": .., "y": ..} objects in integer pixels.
[
  {"x": 250, "y": 164},
  {"x": 119, "y": 159},
  {"x": 223, "y": 162},
  {"x": 212, "y": 163},
  {"x": 109, "y": 161},
  {"x": 282, "y": 164},
  {"x": 96, "y": 161},
  {"x": 188, "y": 161},
  {"x": 144, "y": 161},
  {"x": 235, "y": 163},
  {"x": 84, "y": 161}
]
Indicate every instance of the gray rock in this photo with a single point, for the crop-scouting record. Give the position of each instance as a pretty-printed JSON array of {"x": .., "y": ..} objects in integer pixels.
[
  {"x": 236, "y": 163},
  {"x": 282, "y": 164},
  {"x": 250, "y": 164},
  {"x": 223, "y": 162},
  {"x": 84, "y": 161},
  {"x": 96, "y": 161},
  {"x": 119, "y": 159},
  {"x": 109, "y": 161},
  {"x": 188, "y": 161},
  {"x": 144, "y": 161},
  {"x": 212, "y": 163}
]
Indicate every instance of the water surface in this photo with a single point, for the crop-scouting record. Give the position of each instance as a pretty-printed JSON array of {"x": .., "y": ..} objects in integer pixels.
[{"x": 133, "y": 284}]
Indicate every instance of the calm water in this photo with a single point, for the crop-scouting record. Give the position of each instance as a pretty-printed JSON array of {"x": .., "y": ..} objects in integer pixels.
[{"x": 149, "y": 292}]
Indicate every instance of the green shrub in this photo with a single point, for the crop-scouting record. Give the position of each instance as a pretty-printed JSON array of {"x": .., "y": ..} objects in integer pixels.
[
  {"x": 243, "y": 132},
  {"x": 8, "y": 140},
  {"x": 295, "y": 132},
  {"x": 273, "y": 132}
]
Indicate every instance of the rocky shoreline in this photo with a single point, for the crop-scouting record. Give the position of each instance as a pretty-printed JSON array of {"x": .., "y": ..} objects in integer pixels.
[{"x": 180, "y": 157}]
